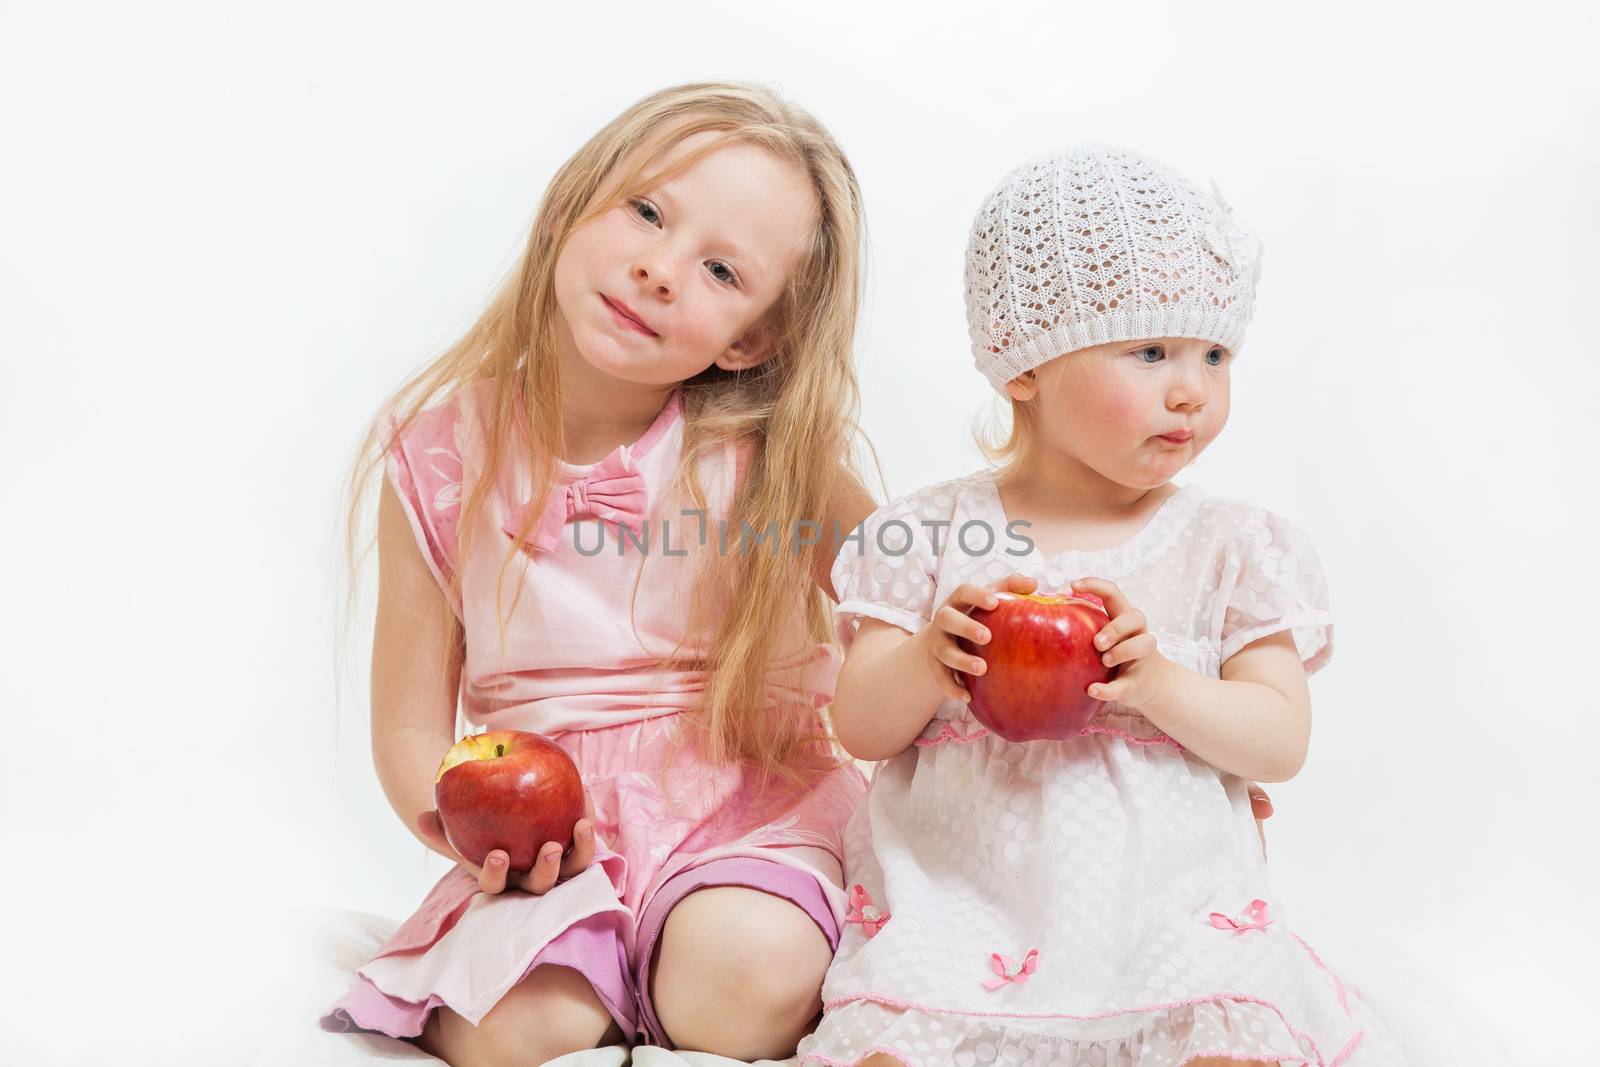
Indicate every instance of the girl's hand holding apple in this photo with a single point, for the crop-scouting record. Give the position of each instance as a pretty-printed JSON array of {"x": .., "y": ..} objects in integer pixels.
[
  {"x": 1126, "y": 645},
  {"x": 494, "y": 876},
  {"x": 508, "y": 804},
  {"x": 951, "y": 621},
  {"x": 1038, "y": 667}
]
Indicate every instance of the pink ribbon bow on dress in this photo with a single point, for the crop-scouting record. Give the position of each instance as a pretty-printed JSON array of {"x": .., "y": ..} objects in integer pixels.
[
  {"x": 1010, "y": 970},
  {"x": 613, "y": 491},
  {"x": 1253, "y": 918},
  {"x": 863, "y": 911}
]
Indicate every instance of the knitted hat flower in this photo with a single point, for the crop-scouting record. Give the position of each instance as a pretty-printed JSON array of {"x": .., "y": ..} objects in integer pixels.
[
  {"x": 1098, "y": 245},
  {"x": 1230, "y": 242}
]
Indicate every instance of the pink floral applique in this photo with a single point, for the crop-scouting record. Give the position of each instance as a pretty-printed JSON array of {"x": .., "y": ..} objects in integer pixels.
[
  {"x": 445, "y": 465},
  {"x": 863, "y": 911},
  {"x": 1010, "y": 971},
  {"x": 1254, "y": 917}
]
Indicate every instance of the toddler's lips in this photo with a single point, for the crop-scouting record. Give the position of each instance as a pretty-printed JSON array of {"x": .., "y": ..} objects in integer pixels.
[{"x": 1182, "y": 437}]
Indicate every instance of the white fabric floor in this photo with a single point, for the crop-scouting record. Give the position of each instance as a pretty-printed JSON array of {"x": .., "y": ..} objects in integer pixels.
[{"x": 248, "y": 992}]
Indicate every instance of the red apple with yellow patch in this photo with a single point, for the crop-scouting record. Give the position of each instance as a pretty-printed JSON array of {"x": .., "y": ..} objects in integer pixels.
[
  {"x": 1041, "y": 661},
  {"x": 508, "y": 789}
]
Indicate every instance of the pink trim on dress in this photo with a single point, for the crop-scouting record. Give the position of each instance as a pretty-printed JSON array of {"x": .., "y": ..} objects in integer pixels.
[
  {"x": 894, "y": 1054},
  {"x": 947, "y": 733},
  {"x": 882, "y": 1050},
  {"x": 1350, "y": 1047},
  {"x": 873, "y": 1050},
  {"x": 653, "y": 433},
  {"x": 658, "y": 429},
  {"x": 1246, "y": 1057},
  {"x": 1130, "y": 738},
  {"x": 1338, "y": 984},
  {"x": 1215, "y": 998}
]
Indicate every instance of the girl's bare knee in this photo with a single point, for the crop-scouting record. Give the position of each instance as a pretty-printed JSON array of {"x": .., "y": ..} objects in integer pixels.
[
  {"x": 550, "y": 1013},
  {"x": 757, "y": 958}
]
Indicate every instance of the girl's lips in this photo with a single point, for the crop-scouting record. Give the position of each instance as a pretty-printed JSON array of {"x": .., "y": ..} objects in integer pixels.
[{"x": 621, "y": 314}]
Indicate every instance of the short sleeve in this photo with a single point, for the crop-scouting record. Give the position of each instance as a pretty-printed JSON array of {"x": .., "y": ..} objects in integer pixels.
[
  {"x": 886, "y": 569},
  {"x": 1272, "y": 580},
  {"x": 424, "y": 466}
]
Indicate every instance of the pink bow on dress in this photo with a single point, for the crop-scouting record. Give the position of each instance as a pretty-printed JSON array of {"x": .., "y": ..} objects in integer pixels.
[
  {"x": 1010, "y": 970},
  {"x": 1253, "y": 918},
  {"x": 863, "y": 911},
  {"x": 613, "y": 491}
]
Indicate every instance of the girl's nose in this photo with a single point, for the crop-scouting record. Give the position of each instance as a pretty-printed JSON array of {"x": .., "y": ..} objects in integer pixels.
[
  {"x": 1184, "y": 395},
  {"x": 1188, "y": 389},
  {"x": 653, "y": 274}
]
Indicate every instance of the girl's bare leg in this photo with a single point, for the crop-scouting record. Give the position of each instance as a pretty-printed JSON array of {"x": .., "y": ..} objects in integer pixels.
[
  {"x": 739, "y": 973},
  {"x": 550, "y": 1013}
]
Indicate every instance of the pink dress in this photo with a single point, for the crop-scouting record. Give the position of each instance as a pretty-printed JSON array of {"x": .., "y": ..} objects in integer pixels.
[{"x": 580, "y": 663}]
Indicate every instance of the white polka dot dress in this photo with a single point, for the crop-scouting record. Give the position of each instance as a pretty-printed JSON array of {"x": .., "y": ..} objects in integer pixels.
[{"x": 1101, "y": 900}]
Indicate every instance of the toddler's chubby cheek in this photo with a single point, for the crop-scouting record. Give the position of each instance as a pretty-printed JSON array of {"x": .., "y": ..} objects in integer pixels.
[{"x": 1120, "y": 418}]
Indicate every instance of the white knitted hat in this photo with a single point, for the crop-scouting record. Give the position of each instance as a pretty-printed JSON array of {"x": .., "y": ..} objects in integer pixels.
[{"x": 1097, "y": 245}]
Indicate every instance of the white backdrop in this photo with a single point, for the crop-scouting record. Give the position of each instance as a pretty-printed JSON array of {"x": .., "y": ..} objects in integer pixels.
[{"x": 227, "y": 229}]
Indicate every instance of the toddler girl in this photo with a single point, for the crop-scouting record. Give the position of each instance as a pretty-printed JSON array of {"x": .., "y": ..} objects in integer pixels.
[
  {"x": 1101, "y": 899},
  {"x": 571, "y": 538}
]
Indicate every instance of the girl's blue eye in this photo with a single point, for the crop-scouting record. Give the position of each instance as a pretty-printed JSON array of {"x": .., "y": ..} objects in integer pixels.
[
  {"x": 722, "y": 272},
  {"x": 647, "y": 211},
  {"x": 1220, "y": 353},
  {"x": 1146, "y": 351}
]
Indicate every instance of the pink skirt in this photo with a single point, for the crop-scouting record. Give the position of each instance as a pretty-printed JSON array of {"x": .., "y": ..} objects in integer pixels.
[{"x": 661, "y": 835}]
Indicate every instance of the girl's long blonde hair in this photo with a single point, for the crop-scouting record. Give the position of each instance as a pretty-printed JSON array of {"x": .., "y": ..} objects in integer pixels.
[{"x": 797, "y": 409}]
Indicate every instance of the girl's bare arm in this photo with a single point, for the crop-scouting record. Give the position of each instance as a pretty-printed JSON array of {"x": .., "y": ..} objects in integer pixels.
[
  {"x": 892, "y": 681},
  {"x": 414, "y": 680}
]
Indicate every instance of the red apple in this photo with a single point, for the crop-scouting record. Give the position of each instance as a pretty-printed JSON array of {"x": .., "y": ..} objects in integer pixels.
[
  {"x": 507, "y": 789},
  {"x": 1041, "y": 661}
]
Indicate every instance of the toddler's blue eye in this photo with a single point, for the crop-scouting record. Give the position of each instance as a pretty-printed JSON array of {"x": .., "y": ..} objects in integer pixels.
[
  {"x": 1147, "y": 351},
  {"x": 722, "y": 272},
  {"x": 647, "y": 211},
  {"x": 1220, "y": 353}
]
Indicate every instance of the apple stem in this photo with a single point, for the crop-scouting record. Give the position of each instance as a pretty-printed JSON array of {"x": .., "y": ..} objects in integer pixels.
[{"x": 499, "y": 750}]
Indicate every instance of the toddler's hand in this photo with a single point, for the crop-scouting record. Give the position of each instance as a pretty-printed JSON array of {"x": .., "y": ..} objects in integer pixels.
[
  {"x": 1126, "y": 644},
  {"x": 950, "y": 620},
  {"x": 548, "y": 869}
]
